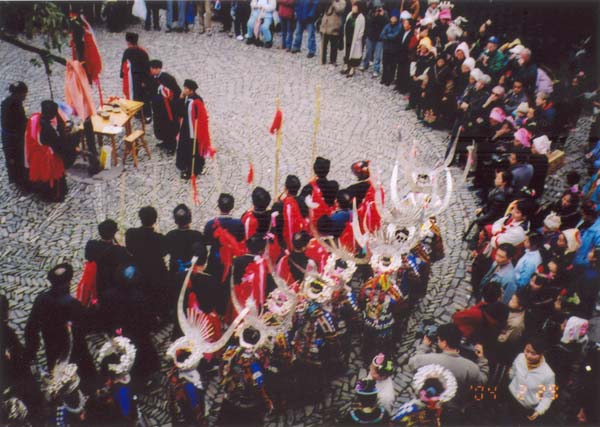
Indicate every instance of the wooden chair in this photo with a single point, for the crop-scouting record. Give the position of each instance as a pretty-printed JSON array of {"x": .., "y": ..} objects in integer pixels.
[{"x": 133, "y": 142}]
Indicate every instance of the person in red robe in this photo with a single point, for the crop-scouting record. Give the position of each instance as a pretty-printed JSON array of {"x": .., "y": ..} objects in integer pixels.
[
  {"x": 252, "y": 274},
  {"x": 364, "y": 192},
  {"x": 259, "y": 220},
  {"x": 293, "y": 265},
  {"x": 45, "y": 143},
  {"x": 292, "y": 213}
]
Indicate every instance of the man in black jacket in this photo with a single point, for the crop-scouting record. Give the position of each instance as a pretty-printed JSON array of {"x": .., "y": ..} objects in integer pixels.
[
  {"x": 148, "y": 249},
  {"x": 51, "y": 312},
  {"x": 108, "y": 256},
  {"x": 165, "y": 92},
  {"x": 135, "y": 68}
]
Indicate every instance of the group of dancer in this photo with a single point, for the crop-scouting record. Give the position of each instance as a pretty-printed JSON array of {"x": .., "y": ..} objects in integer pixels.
[{"x": 274, "y": 300}]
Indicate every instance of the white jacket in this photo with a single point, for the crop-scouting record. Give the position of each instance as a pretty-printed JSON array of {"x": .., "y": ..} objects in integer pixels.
[
  {"x": 357, "y": 37},
  {"x": 266, "y": 5}
]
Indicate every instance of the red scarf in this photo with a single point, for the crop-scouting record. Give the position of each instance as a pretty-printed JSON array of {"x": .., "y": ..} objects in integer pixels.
[
  {"x": 317, "y": 197},
  {"x": 44, "y": 165},
  {"x": 293, "y": 221},
  {"x": 230, "y": 247},
  {"x": 167, "y": 95},
  {"x": 368, "y": 215}
]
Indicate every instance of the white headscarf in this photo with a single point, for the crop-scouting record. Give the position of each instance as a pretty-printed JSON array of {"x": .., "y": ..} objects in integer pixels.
[{"x": 575, "y": 331}]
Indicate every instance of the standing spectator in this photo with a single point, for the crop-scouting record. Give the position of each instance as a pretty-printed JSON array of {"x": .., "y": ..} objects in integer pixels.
[
  {"x": 148, "y": 249},
  {"x": 354, "y": 28},
  {"x": 14, "y": 122},
  {"x": 466, "y": 372},
  {"x": 241, "y": 10},
  {"x": 285, "y": 9},
  {"x": 390, "y": 35},
  {"x": 182, "y": 24},
  {"x": 529, "y": 374},
  {"x": 376, "y": 20},
  {"x": 408, "y": 43},
  {"x": 510, "y": 339},
  {"x": 306, "y": 15},
  {"x": 331, "y": 23},
  {"x": 152, "y": 16},
  {"x": 260, "y": 22}
]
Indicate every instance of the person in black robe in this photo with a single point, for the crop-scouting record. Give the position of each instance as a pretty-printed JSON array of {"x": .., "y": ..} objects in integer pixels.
[
  {"x": 148, "y": 249},
  {"x": 51, "y": 311},
  {"x": 329, "y": 188},
  {"x": 180, "y": 243},
  {"x": 108, "y": 256},
  {"x": 140, "y": 72},
  {"x": 126, "y": 308},
  {"x": 185, "y": 149},
  {"x": 259, "y": 214},
  {"x": 235, "y": 229},
  {"x": 165, "y": 92},
  {"x": 15, "y": 374},
  {"x": 14, "y": 122}
]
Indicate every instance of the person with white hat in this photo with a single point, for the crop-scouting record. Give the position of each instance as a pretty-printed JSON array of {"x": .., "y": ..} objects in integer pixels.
[{"x": 539, "y": 160}]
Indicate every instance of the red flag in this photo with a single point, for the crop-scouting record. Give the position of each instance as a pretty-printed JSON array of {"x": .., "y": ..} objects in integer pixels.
[
  {"x": 250, "y": 177},
  {"x": 277, "y": 120}
]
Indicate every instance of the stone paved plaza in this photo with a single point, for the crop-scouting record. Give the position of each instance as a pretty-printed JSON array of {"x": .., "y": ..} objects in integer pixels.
[{"x": 239, "y": 84}]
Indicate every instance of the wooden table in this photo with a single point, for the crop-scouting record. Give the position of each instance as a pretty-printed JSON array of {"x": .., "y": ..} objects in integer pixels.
[{"x": 123, "y": 118}]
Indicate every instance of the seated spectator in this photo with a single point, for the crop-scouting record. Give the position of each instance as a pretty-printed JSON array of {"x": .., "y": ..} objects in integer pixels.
[
  {"x": 522, "y": 171},
  {"x": 496, "y": 201},
  {"x": 563, "y": 250},
  {"x": 519, "y": 115},
  {"x": 586, "y": 282},
  {"x": 531, "y": 259},
  {"x": 529, "y": 373},
  {"x": 566, "y": 209},
  {"x": 491, "y": 60},
  {"x": 522, "y": 139},
  {"x": 541, "y": 297},
  {"x": 591, "y": 190},
  {"x": 469, "y": 320},
  {"x": 551, "y": 229},
  {"x": 526, "y": 72},
  {"x": 515, "y": 98},
  {"x": 567, "y": 360},
  {"x": 502, "y": 272},
  {"x": 510, "y": 338},
  {"x": 545, "y": 115},
  {"x": 590, "y": 233}
]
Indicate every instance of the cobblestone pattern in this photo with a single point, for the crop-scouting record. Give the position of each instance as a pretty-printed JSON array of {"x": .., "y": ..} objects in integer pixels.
[{"x": 239, "y": 85}]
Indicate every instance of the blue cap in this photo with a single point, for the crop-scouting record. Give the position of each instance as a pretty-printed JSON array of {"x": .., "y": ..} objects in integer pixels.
[
  {"x": 395, "y": 12},
  {"x": 493, "y": 39}
]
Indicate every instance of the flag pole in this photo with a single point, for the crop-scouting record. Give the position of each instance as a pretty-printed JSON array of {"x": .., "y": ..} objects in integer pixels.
[
  {"x": 277, "y": 152},
  {"x": 194, "y": 148},
  {"x": 317, "y": 123}
]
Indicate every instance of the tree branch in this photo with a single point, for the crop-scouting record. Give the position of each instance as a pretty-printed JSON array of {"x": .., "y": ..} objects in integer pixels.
[{"x": 44, "y": 54}]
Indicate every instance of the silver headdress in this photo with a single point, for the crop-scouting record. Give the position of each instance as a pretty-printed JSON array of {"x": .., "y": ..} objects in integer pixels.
[
  {"x": 63, "y": 380},
  {"x": 124, "y": 348},
  {"x": 440, "y": 373},
  {"x": 197, "y": 331}
]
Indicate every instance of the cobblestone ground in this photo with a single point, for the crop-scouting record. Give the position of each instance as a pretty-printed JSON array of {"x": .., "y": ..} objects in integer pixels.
[{"x": 239, "y": 85}]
